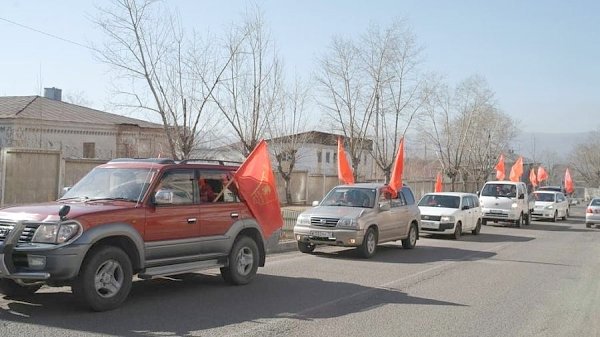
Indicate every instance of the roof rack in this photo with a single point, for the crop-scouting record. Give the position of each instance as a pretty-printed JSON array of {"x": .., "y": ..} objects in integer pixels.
[
  {"x": 146, "y": 160},
  {"x": 202, "y": 160}
]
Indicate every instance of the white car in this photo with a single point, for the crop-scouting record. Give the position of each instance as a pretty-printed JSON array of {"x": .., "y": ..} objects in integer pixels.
[
  {"x": 450, "y": 213},
  {"x": 592, "y": 213},
  {"x": 550, "y": 205}
]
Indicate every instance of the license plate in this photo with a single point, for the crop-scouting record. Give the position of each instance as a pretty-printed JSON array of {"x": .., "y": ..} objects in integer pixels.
[
  {"x": 321, "y": 234},
  {"x": 429, "y": 224},
  {"x": 493, "y": 211}
]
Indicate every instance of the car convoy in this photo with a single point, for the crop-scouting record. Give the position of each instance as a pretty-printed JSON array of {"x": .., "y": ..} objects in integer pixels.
[{"x": 159, "y": 217}]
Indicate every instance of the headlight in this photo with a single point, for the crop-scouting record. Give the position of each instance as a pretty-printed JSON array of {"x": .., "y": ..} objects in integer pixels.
[
  {"x": 514, "y": 205},
  {"x": 55, "y": 233},
  {"x": 550, "y": 207},
  {"x": 447, "y": 218},
  {"x": 348, "y": 223},
  {"x": 303, "y": 220}
]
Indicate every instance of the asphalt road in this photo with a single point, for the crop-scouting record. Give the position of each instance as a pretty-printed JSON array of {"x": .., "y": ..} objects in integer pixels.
[{"x": 540, "y": 280}]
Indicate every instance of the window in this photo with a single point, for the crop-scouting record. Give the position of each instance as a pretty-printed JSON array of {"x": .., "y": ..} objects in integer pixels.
[
  {"x": 177, "y": 187},
  {"x": 211, "y": 185},
  {"x": 89, "y": 150},
  {"x": 335, "y": 157},
  {"x": 408, "y": 196},
  {"x": 319, "y": 156},
  {"x": 327, "y": 156}
]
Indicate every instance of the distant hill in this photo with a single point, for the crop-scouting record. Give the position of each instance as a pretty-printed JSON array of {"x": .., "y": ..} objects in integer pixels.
[{"x": 545, "y": 146}]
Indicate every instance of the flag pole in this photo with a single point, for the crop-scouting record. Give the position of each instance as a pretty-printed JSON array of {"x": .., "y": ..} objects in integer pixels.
[{"x": 223, "y": 190}]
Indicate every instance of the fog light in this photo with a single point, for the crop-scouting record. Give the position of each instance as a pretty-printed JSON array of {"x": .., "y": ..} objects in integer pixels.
[
  {"x": 352, "y": 241},
  {"x": 36, "y": 261}
]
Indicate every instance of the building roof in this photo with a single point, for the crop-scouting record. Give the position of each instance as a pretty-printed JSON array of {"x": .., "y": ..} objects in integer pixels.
[{"x": 41, "y": 108}]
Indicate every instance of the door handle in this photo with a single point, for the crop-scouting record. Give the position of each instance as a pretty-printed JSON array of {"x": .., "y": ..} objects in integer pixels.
[
  {"x": 234, "y": 215},
  {"x": 191, "y": 221}
]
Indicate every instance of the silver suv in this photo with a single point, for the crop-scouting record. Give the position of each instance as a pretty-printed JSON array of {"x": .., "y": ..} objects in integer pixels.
[{"x": 360, "y": 215}]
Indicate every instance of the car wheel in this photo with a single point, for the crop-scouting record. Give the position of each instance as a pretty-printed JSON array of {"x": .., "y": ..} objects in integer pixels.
[
  {"x": 306, "y": 247},
  {"x": 519, "y": 220},
  {"x": 411, "y": 241},
  {"x": 243, "y": 262},
  {"x": 528, "y": 218},
  {"x": 457, "y": 231},
  {"x": 12, "y": 289},
  {"x": 477, "y": 228},
  {"x": 589, "y": 225},
  {"x": 484, "y": 222},
  {"x": 566, "y": 215},
  {"x": 105, "y": 278},
  {"x": 369, "y": 245},
  {"x": 555, "y": 216}
]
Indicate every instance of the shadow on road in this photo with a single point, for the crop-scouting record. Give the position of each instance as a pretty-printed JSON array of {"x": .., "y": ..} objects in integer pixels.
[
  {"x": 483, "y": 237},
  {"x": 194, "y": 303}
]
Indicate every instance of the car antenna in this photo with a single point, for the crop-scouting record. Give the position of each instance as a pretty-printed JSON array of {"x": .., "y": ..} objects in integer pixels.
[{"x": 63, "y": 211}]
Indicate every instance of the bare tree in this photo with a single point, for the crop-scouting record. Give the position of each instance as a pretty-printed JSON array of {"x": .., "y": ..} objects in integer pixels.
[
  {"x": 346, "y": 96},
  {"x": 77, "y": 97},
  {"x": 586, "y": 160},
  {"x": 458, "y": 124},
  {"x": 250, "y": 93},
  {"x": 288, "y": 133},
  {"x": 159, "y": 69}
]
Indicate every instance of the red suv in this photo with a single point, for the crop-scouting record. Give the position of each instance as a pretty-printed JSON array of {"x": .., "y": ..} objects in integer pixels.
[{"x": 150, "y": 217}]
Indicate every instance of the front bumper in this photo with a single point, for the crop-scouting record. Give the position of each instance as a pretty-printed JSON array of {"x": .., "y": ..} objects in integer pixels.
[
  {"x": 329, "y": 236},
  {"x": 436, "y": 227},
  {"x": 38, "y": 262},
  {"x": 500, "y": 214}
]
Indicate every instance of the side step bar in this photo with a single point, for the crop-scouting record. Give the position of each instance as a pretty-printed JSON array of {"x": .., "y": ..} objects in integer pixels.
[{"x": 180, "y": 268}]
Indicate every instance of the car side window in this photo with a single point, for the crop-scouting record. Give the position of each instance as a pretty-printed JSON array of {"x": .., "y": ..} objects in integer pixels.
[
  {"x": 398, "y": 200},
  {"x": 475, "y": 201},
  {"x": 177, "y": 187},
  {"x": 215, "y": 186},
  {"x": 467, "y": 202},
  {"x": 409, "y": 198}
]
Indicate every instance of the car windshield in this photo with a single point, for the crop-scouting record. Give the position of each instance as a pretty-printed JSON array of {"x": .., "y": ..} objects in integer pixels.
[
  {"x": 595, "y": 202},
  {"x": 446, "y": 201},
  {"x": 544, "y": 196},
  {"x": 350, "y": 196},
  {"x": 499, "y": 190},
  {"x": 112, "y": 183}
]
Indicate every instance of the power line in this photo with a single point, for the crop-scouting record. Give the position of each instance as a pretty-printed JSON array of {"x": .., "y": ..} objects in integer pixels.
[{"x": 47, "y": 34}]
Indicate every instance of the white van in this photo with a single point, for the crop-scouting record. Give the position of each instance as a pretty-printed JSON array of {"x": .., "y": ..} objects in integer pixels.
[{"x": 505, "y": 201}]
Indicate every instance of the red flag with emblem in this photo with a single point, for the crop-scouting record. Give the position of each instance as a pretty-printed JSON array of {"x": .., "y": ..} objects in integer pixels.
[
  {"x": 438, "y": 182},
  {"x": 256, "y": 184},
  {"x": 516, "y": 171},
  {"x": 568, "y": 182},
  {"x": 533, "y": 178},
  {"x": 541, "y": 174},
  {"x": 500, "y": 168},
  {"x": 344, "y": 169},
  {"x": 396, "y": 178}
]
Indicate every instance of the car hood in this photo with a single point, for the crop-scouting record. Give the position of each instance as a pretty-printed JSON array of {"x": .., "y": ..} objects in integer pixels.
[
  {"x": 49, "y": 211},
  {"x": 438, "y": 211},
  {"x": 336, "y": 211},
  {"x": 494, "y": 202}
]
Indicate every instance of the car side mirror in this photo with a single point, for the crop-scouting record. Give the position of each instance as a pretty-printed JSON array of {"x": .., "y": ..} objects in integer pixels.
[
  {"x": 163, "y": 197},
  {"x": 521, "y": 196},
  {"x": 315, "y": 203},
  {"x": 384, "y": 206},
  {"x": 465, "y": 207}
]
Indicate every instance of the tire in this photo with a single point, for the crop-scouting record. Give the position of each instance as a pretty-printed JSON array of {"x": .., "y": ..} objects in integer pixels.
[
  {"x": 484, "y": 222},
  {"x": 566, "y": 215},
  {"x": 555, "y": 216},
  {"x": 519, "y": 221},
  {"x": 457, "y": 231},
  {"x": 528, "y": 218},
  {"x": 369, "y": 245},
  {"x": 477, "y": 228},
  {"x": 411, "y": 241},
  {"x": 306, "y": 247},
  {"x": 243, "y": 262},
  {"x": 12, "y": 289},
  {"x": 105, "y": 278},
  {"x": 589, "y": 225}
]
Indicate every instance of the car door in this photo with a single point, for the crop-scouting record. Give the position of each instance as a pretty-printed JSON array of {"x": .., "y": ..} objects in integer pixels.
[
  {"x": 466, "y": 210},
  {"x": 562, "y": 204},
  {"x": 172, "y": 227}
]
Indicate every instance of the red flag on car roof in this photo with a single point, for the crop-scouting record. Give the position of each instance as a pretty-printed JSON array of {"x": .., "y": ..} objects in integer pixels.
[
  {"x": 438, "y": 182},
  {"x": 500, "y": 168},
  {"x": 542, "y": 174},
  {"x": 396, "y": 178},
  {"x": 568, "y": 182},
  {"x": 256, "y": 184},
  {"x": 533, "y": 178},
  {"x": 516, "y": 170},
  {"x": 344, "y": 169}
]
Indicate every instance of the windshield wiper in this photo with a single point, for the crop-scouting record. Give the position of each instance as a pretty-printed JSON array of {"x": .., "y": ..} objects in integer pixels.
[
  {"x": 111, "y": 198},
  {"x": 73, "y": 198}
]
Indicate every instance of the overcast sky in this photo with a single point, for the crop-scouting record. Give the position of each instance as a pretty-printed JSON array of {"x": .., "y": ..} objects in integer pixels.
[{"x": 541, "y": 58}]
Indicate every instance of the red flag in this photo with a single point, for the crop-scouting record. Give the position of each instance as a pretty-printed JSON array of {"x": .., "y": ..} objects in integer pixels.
[
  {"x": 396, "y": 178},
  {"x": 256, "y": 184},
  {"x": 542, "y": 174},
  {"x": 533, "y": 178},
  {"x": 344, "y": 170},
  {"x": 568, "y": 182},
  {"x": 516, "y": 170},
  {"x": 500, "y": 168},
  {"x": 438, "y": 182}
]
